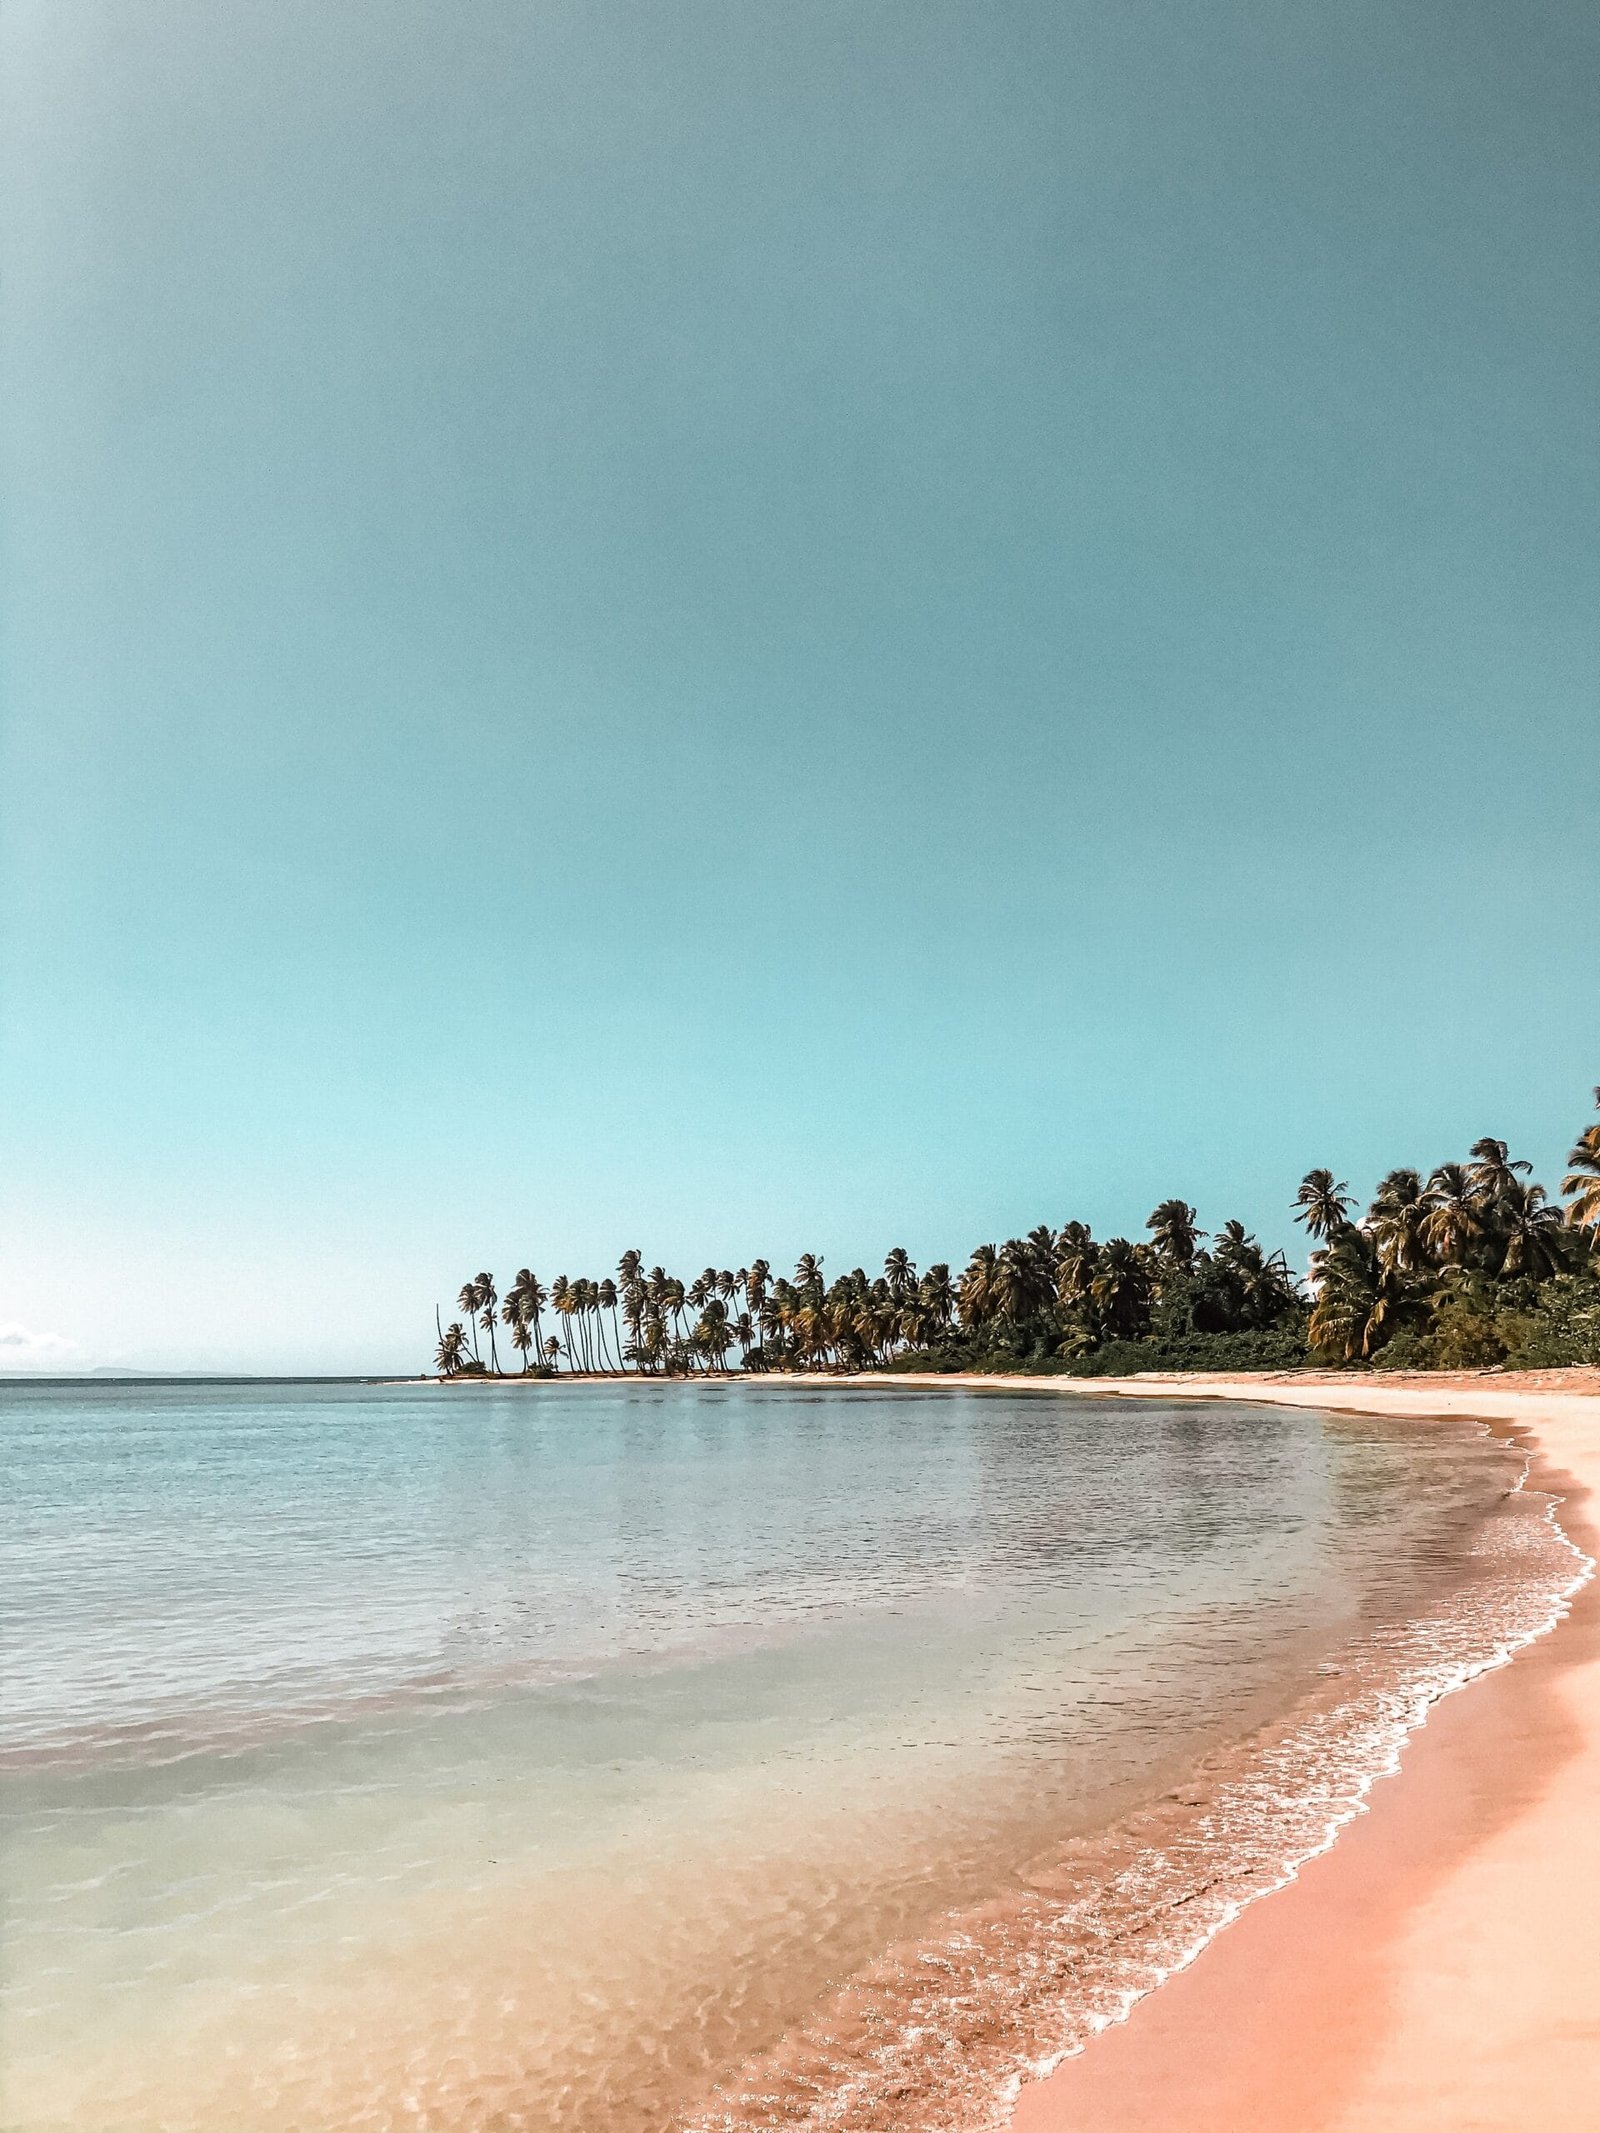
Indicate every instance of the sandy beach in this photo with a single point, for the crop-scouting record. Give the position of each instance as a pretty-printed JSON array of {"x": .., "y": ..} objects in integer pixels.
[{"x": 1440, "y": 1966}]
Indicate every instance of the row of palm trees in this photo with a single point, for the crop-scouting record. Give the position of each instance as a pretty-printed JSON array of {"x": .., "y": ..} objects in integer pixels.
[
  {"x": 1077, "y": 1290},
  {"x": 652, "y": 1321},
  {"x": 1062, "y": 1292},
  {"x": 1479, "y": 1229}
]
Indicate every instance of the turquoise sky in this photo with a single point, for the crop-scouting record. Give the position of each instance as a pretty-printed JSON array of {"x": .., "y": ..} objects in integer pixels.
[{"x": 734, "y": 628}]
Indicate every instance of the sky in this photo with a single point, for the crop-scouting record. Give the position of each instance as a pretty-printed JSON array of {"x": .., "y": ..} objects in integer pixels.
[{"x": 736, "y": 628}]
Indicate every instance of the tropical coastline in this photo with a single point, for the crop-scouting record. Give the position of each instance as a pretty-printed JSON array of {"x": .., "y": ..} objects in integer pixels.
[{"x": 1472, "y": 1264}]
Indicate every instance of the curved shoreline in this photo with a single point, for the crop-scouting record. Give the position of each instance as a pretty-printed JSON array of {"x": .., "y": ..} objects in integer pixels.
[{"x": 1272, "y": 2025}]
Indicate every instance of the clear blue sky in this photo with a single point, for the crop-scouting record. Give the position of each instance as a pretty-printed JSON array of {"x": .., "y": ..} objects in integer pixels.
[{"x": 737, "y": 627}]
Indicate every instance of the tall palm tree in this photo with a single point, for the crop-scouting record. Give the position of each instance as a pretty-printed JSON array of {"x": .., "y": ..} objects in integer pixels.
[
  {"x": 1018, "y": 1282},
  {"x": 713, "y": 1335},
  {"x": 516, "y": 1312},
  {"x": 1581, "y": 1185},
  {"x": 1492, "y": 1172},
  {"x": 1323, "y": 1206},
  {"x": 1077, "y": 1259},
  {"x": 936, "y": 1294},
  {"x": 978, "y": 1293},
  {"x": 899, "y": 1273},
  {"x": 561, "y": 1303},
  {"x": 808, "y": 1272},
  {"x": 1174, "y": 1234},
  {"x": 606, "y": 1300},
  {"x": 1533, "y": 1231},
  {"x": 484, "y": 1291},
  {"x": 1356, "y": 1297},
  {"x": 467, "y": 1305},
  {"x": 1121, "y": 1287},
  {"x": 1454, "y": 1218},
  {"x": 1397, "y": 1220}
]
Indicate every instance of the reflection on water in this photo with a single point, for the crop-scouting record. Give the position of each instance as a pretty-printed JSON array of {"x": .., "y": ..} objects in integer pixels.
[{"x": 598, "y": 1756}]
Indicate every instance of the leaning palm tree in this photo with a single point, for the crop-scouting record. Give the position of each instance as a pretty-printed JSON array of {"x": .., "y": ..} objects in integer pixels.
[{"x": 1323, "y": 1206}]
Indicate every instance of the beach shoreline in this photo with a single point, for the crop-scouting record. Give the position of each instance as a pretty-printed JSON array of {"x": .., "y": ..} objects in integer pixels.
[{"x": 1435, "y": 1967}]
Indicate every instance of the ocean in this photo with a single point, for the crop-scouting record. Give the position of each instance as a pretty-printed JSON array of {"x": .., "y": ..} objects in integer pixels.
[{"x": 630, "y": 1756}]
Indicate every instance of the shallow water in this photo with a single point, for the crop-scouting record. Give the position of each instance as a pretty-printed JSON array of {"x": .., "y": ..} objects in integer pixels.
[{"x": 615, "y": 1757}]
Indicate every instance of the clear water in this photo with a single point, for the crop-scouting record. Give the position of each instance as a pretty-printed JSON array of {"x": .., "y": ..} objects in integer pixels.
[{"x": 616, "y": 1757}]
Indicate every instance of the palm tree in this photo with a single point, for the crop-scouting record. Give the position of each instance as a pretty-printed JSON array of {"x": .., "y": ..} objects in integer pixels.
[
  {"x": 467, "y": 1305},
  {"x": 936, "y": 1294},
  {"x": 561, "y": 1302},
  {"x": 978, "y": 1294},
  {"x": 1121, "y": 1287},
  {"x": 1077, "y": 1258},
  {"x": 1533, "y": 1231},
  {"x": 1397, "y": 1220},
  {"x": 1356, "y": 1297},
  {"x": 1019, "y": 1284},
  {"x": 808, "y": 1272},
  {"x": 520, "y": 1312},
  {"x": 899, "y": 1273},
  {"x": 1174, "y": 1234},
  {"x": 1453, "y": 1220},
  {"x": 451, "y": 1352},
  {"x": 1492, "y": 1172},
  {"x": 1582, "y": 1182},
  {"x": 484, "y": 1292},
  {"x": 607, "y": 1301},
  {"x": 1323, "y": 1206},
  {"x": 713, "y": 1336}
]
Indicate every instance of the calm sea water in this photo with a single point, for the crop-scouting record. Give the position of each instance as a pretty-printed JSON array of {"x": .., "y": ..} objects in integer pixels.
[{"x": 615, "y": 1757}]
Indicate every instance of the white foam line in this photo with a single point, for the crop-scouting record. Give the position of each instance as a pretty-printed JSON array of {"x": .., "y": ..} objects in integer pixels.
[{"x": 1459, "y": 1677}]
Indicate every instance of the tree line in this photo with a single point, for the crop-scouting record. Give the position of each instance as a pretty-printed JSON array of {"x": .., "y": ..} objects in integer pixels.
[{"x": 1471, "y": 1265}]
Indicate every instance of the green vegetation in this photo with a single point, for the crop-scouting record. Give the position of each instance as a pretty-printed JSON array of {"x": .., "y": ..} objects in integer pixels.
[{"x": 1470, "y": 1267}]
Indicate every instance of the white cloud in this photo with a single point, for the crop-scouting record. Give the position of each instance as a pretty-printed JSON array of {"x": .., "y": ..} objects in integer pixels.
[{"x": 23, "y": 1349}]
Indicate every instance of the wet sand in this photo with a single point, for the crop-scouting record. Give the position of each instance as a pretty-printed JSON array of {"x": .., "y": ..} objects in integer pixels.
[{"x": 1440, "y": 1967}]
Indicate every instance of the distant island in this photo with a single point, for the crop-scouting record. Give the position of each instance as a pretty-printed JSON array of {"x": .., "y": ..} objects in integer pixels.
[{"x": 1471, "y": 1267}]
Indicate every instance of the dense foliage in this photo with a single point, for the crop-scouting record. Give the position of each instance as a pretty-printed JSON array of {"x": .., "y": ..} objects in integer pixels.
[{"x": 1472, "y": 1266}]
